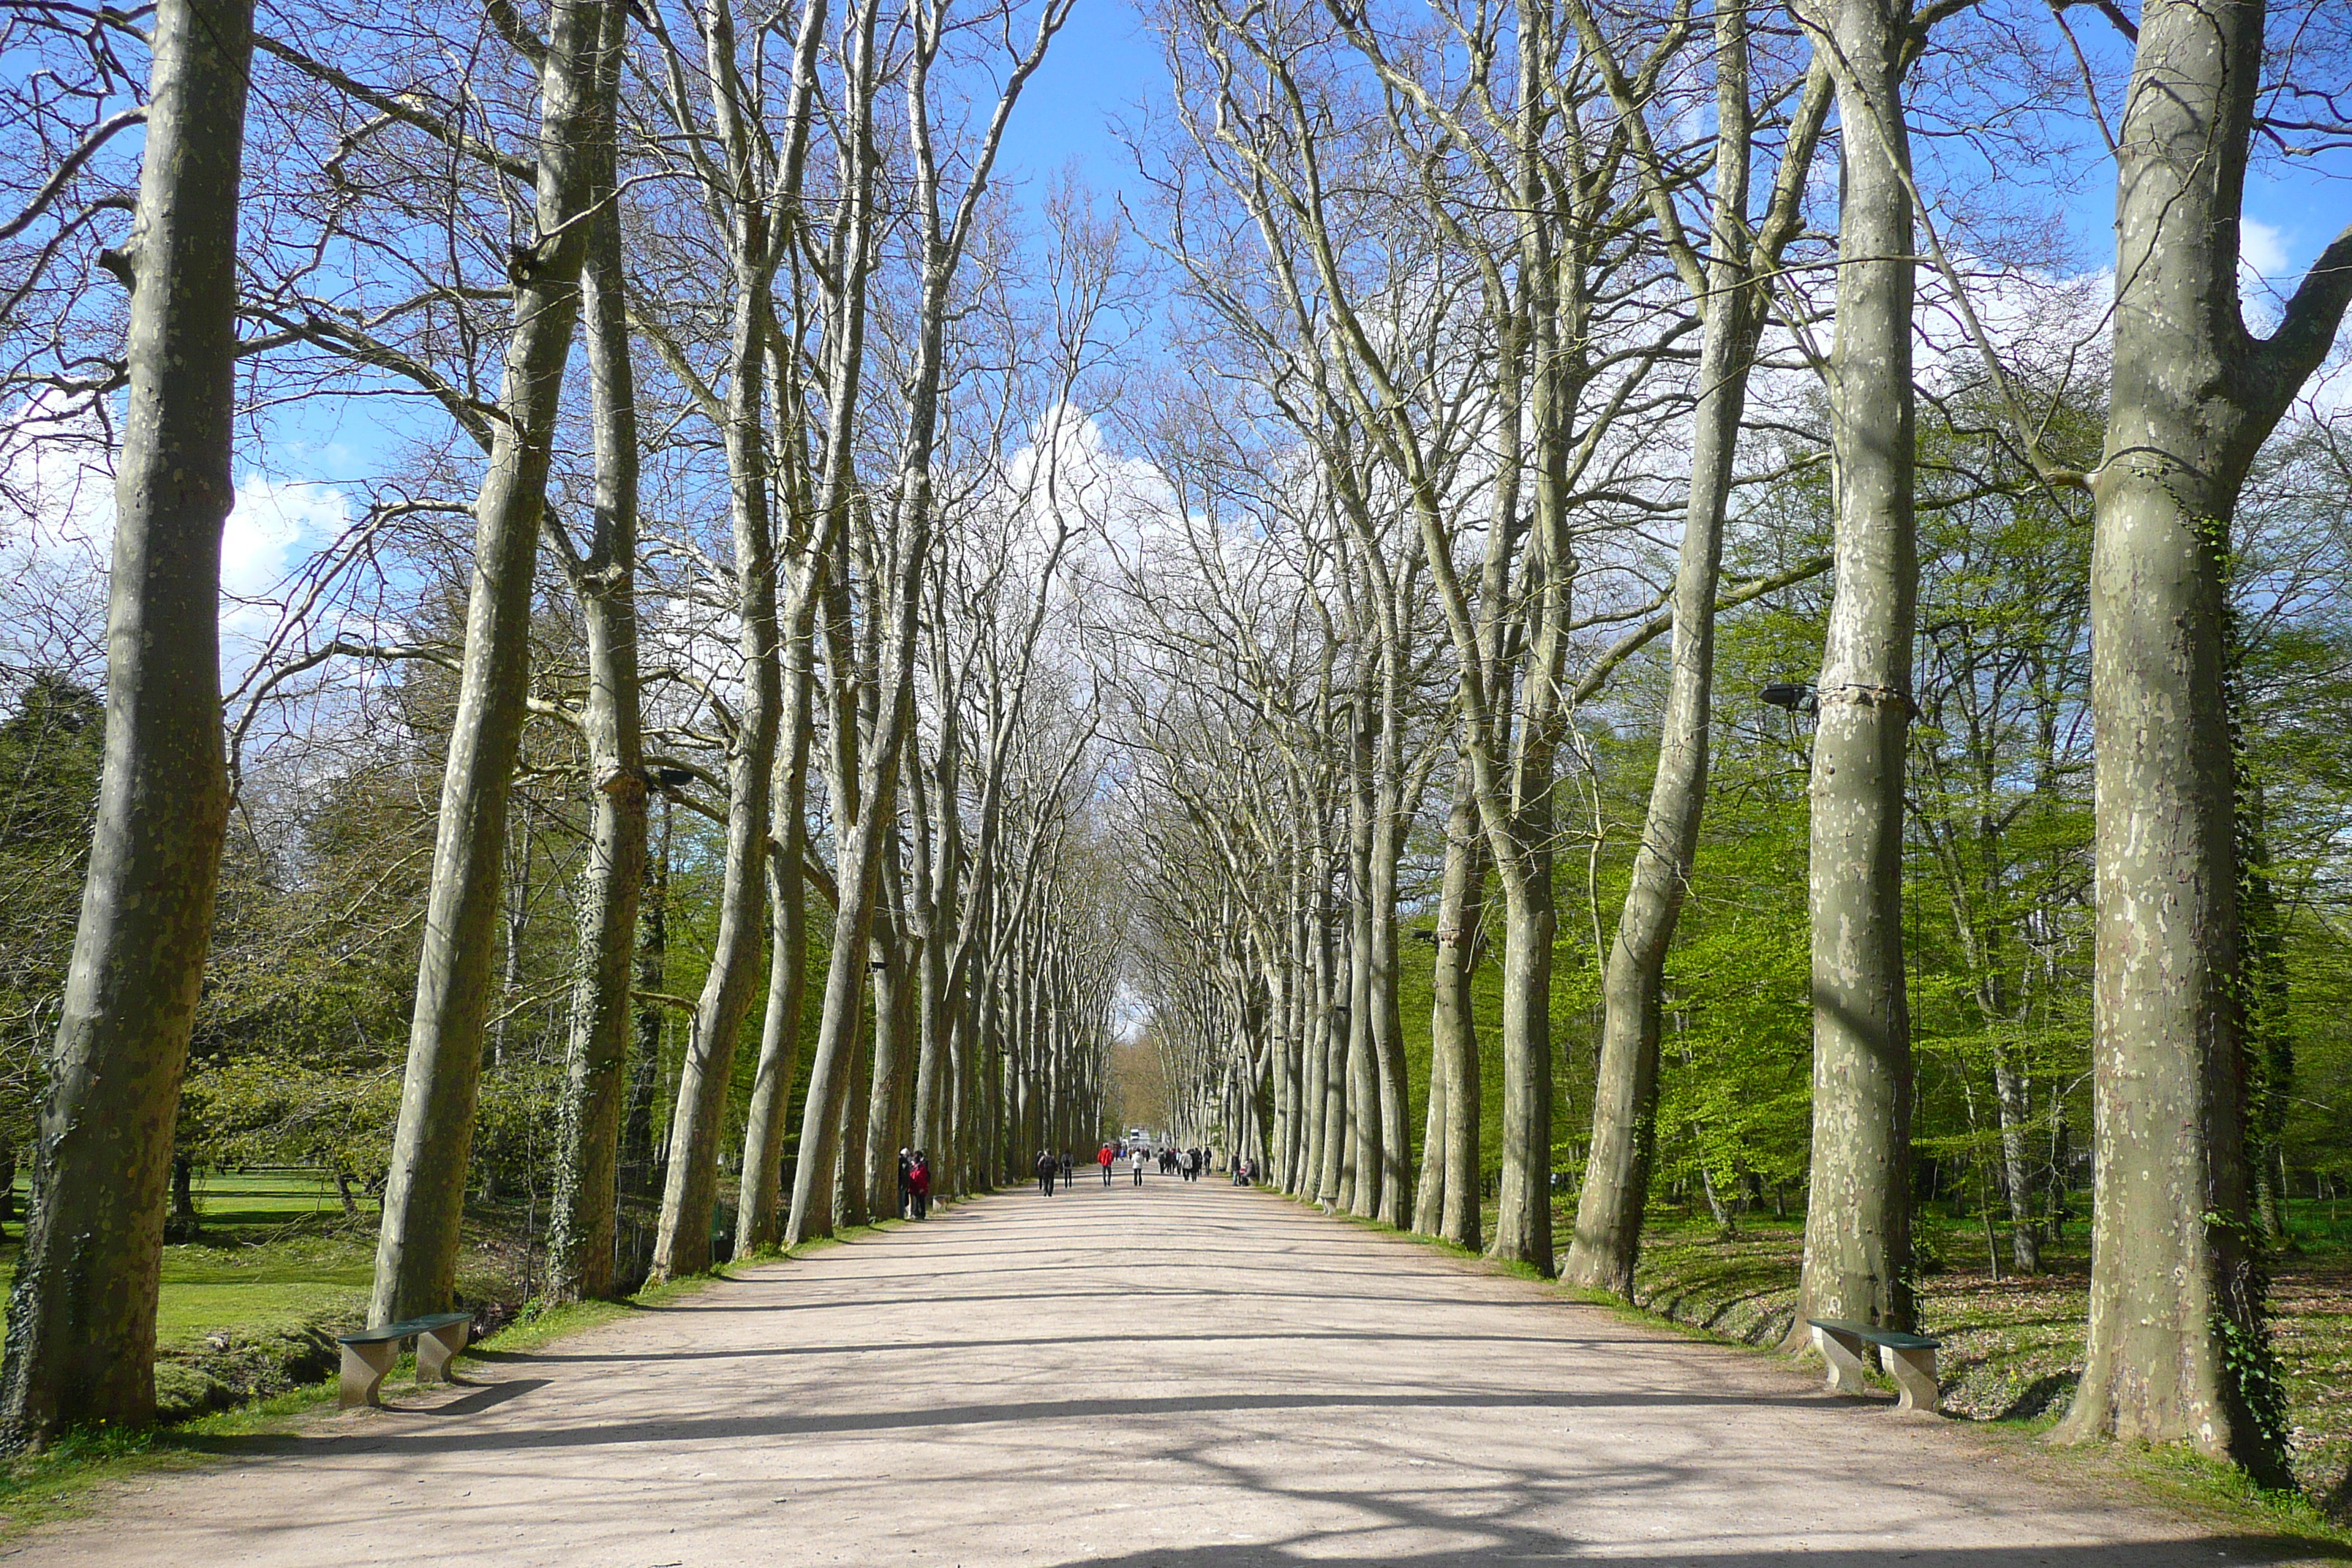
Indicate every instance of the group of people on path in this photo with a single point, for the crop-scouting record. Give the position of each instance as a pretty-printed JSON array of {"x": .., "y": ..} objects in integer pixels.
[
  {"x": 1186, "y": 1162},
  {"x": 915, "y": 1172},
  {"x": 1059, "y": 1169},
  {"x": 914, "y": 1184}
]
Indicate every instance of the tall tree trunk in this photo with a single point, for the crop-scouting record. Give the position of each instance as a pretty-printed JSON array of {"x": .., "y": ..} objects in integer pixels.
[
  {"x": 2009, "y": 1093},
  {"x": 637, "y": 1177},
  {"x": 1523, "y": 1220},
  {"x": 424, "y": 1190},
  {"x": 1395, "y": 1099},
  {"x": 1857, "y": 1261},
  {"x": 81, "y": 1316},
  {"x": 682, "y": 1246},
  {"x": 580, "y": 1244},
  {"x": 889, "y": 1099},
  {"x": 760, "y": 1191},
  {"x": 1608, "y": 1239},
  {"x": 1361, "y": 1172},
  {"x": 2179, "y": 1348},
  {"x": 1461, "y": 910},
  {"x": 1429, "y": 1192}
]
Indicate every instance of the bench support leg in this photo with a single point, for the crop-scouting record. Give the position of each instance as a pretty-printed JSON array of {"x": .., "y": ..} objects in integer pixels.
[
  {"x": 1914, "y": 1373},
  {"x": 1842, "y": 1352},
  {"x": 436, "y": 1350},
  {"x": 363, "y": 1370}
]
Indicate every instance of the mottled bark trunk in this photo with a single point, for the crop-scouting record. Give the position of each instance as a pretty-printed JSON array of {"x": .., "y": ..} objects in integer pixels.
[
  {"x": 1616, "y": 1189},
  {"x": 1523, "y": 1220},
  {"x": 2008, "y": 1087},
  {"x": 81, "y": 1316},
  {"x": 1456, "y": 1021},
  {"x": 580, "y": 1243},
  {"x": 2179, "y": 1348},
  {"x": 1395, "y": 1106},
  {"x": 425, "y": 1189},
  {"x": 889, "y": 1100},
  {"x": 760, "y": 1189},
  {"x": 637, "y": 1175},
  {"x": 682, "y": 1245},
  {"x": 1359, "y": 1171},
  {"x": 1450, "y": 1150},
  {"x": 1857, "y": 1257},
  {"x": 811, "y": 1212},
  {"x": 1429, "y": 1192}
]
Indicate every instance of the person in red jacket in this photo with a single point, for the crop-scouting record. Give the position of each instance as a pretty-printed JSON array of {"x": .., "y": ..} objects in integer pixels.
[
  {"x": 918, "y": 1184},
  {"x": 1103, "y": 1160}
]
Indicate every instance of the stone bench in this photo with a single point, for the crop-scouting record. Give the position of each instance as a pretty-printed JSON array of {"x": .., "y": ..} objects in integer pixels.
[
  {"x": 368, "y": 1355},
  {"x": 1909, "y": 1360}
]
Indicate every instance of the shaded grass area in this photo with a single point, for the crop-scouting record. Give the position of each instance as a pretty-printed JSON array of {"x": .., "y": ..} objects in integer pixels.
[
  {"x": 249, "y": 1309},
  {"x": 2013, "y": 1345}
]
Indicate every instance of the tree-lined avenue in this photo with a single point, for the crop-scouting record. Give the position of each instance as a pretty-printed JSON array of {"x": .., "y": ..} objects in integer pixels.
[{"x": 1183, "y": 1375}]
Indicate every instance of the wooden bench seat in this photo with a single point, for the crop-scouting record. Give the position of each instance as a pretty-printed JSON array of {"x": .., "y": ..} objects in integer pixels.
[
  {"x": 1909, "y": 1360},
  {"x": 368, "y": 1355}
]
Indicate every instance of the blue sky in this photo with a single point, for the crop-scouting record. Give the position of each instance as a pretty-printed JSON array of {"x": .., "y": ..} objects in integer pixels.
[
  {"x": 1102, "y": 64},
  {"x": 1106, "y": 63}
]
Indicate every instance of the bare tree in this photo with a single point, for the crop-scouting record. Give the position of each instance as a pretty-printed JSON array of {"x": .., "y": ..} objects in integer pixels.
[
  {"x": 603, "y": 578},
  {"x": 82, "y": 1314},
  {"x": 416, "y": 1252},
  {"x": 1729, "y": 292}
]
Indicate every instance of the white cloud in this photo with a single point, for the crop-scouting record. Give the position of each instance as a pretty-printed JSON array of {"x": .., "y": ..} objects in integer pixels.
[
  {"x": 2261, "y": 255},
  {"x": 56, "y": 537},
  {"x": 269, "y": 525}
]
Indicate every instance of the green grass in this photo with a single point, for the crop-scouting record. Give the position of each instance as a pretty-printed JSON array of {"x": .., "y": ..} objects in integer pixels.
[{"x": 248, "y": 1309}]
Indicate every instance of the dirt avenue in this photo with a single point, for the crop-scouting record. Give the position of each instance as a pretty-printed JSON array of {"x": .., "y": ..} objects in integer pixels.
[{"x": 1181, "y": 1375}]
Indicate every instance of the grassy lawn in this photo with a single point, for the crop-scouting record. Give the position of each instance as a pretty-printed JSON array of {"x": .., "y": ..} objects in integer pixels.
[
  {"x": 250, "y": 1309},
  {"x": 2013, "y": 1345}
]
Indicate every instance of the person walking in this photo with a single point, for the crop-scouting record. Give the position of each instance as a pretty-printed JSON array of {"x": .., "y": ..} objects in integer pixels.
[
  {"x": 906, "y": 1186},
  {"x": 918, "y": 1184},
  {"x": 1104, "y": 1159},
  {"x": 1069, "y": 1170},
  {"x": 1136, "y": 1161},
  {"x": 1047, "y": 1166}
]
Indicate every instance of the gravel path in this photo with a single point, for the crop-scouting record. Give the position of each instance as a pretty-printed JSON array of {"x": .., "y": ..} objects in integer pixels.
[{"x": 1190, "y": 1376}]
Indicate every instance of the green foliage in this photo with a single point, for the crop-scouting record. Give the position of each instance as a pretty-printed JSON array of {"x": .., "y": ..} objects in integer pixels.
[{"x": 51, "y": 747}]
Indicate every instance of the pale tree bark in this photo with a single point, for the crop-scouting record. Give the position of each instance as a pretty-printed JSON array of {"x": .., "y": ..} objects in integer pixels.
[
  {"x": 760, "y": 224},
  {"x": 1359, "y": 1174},
  {"x": 760, "y": 1186},
  {"x": 760, "y": 191},
  {"x": 1857, "y": 1257},
  {"x": 897, "y": 991},
  {"x": 2177, "y": 1349},
  {"x": 424, "y": 1190},
  {"x": 81, "y": 1315},
  {"x": 810, "y": 1212},
  {"x": 1730, "y": 297},
  {"x": 580, "y": 1244},
  {"x": 894, "y": 598},
  {"x": 1451, "y": 1149}
]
